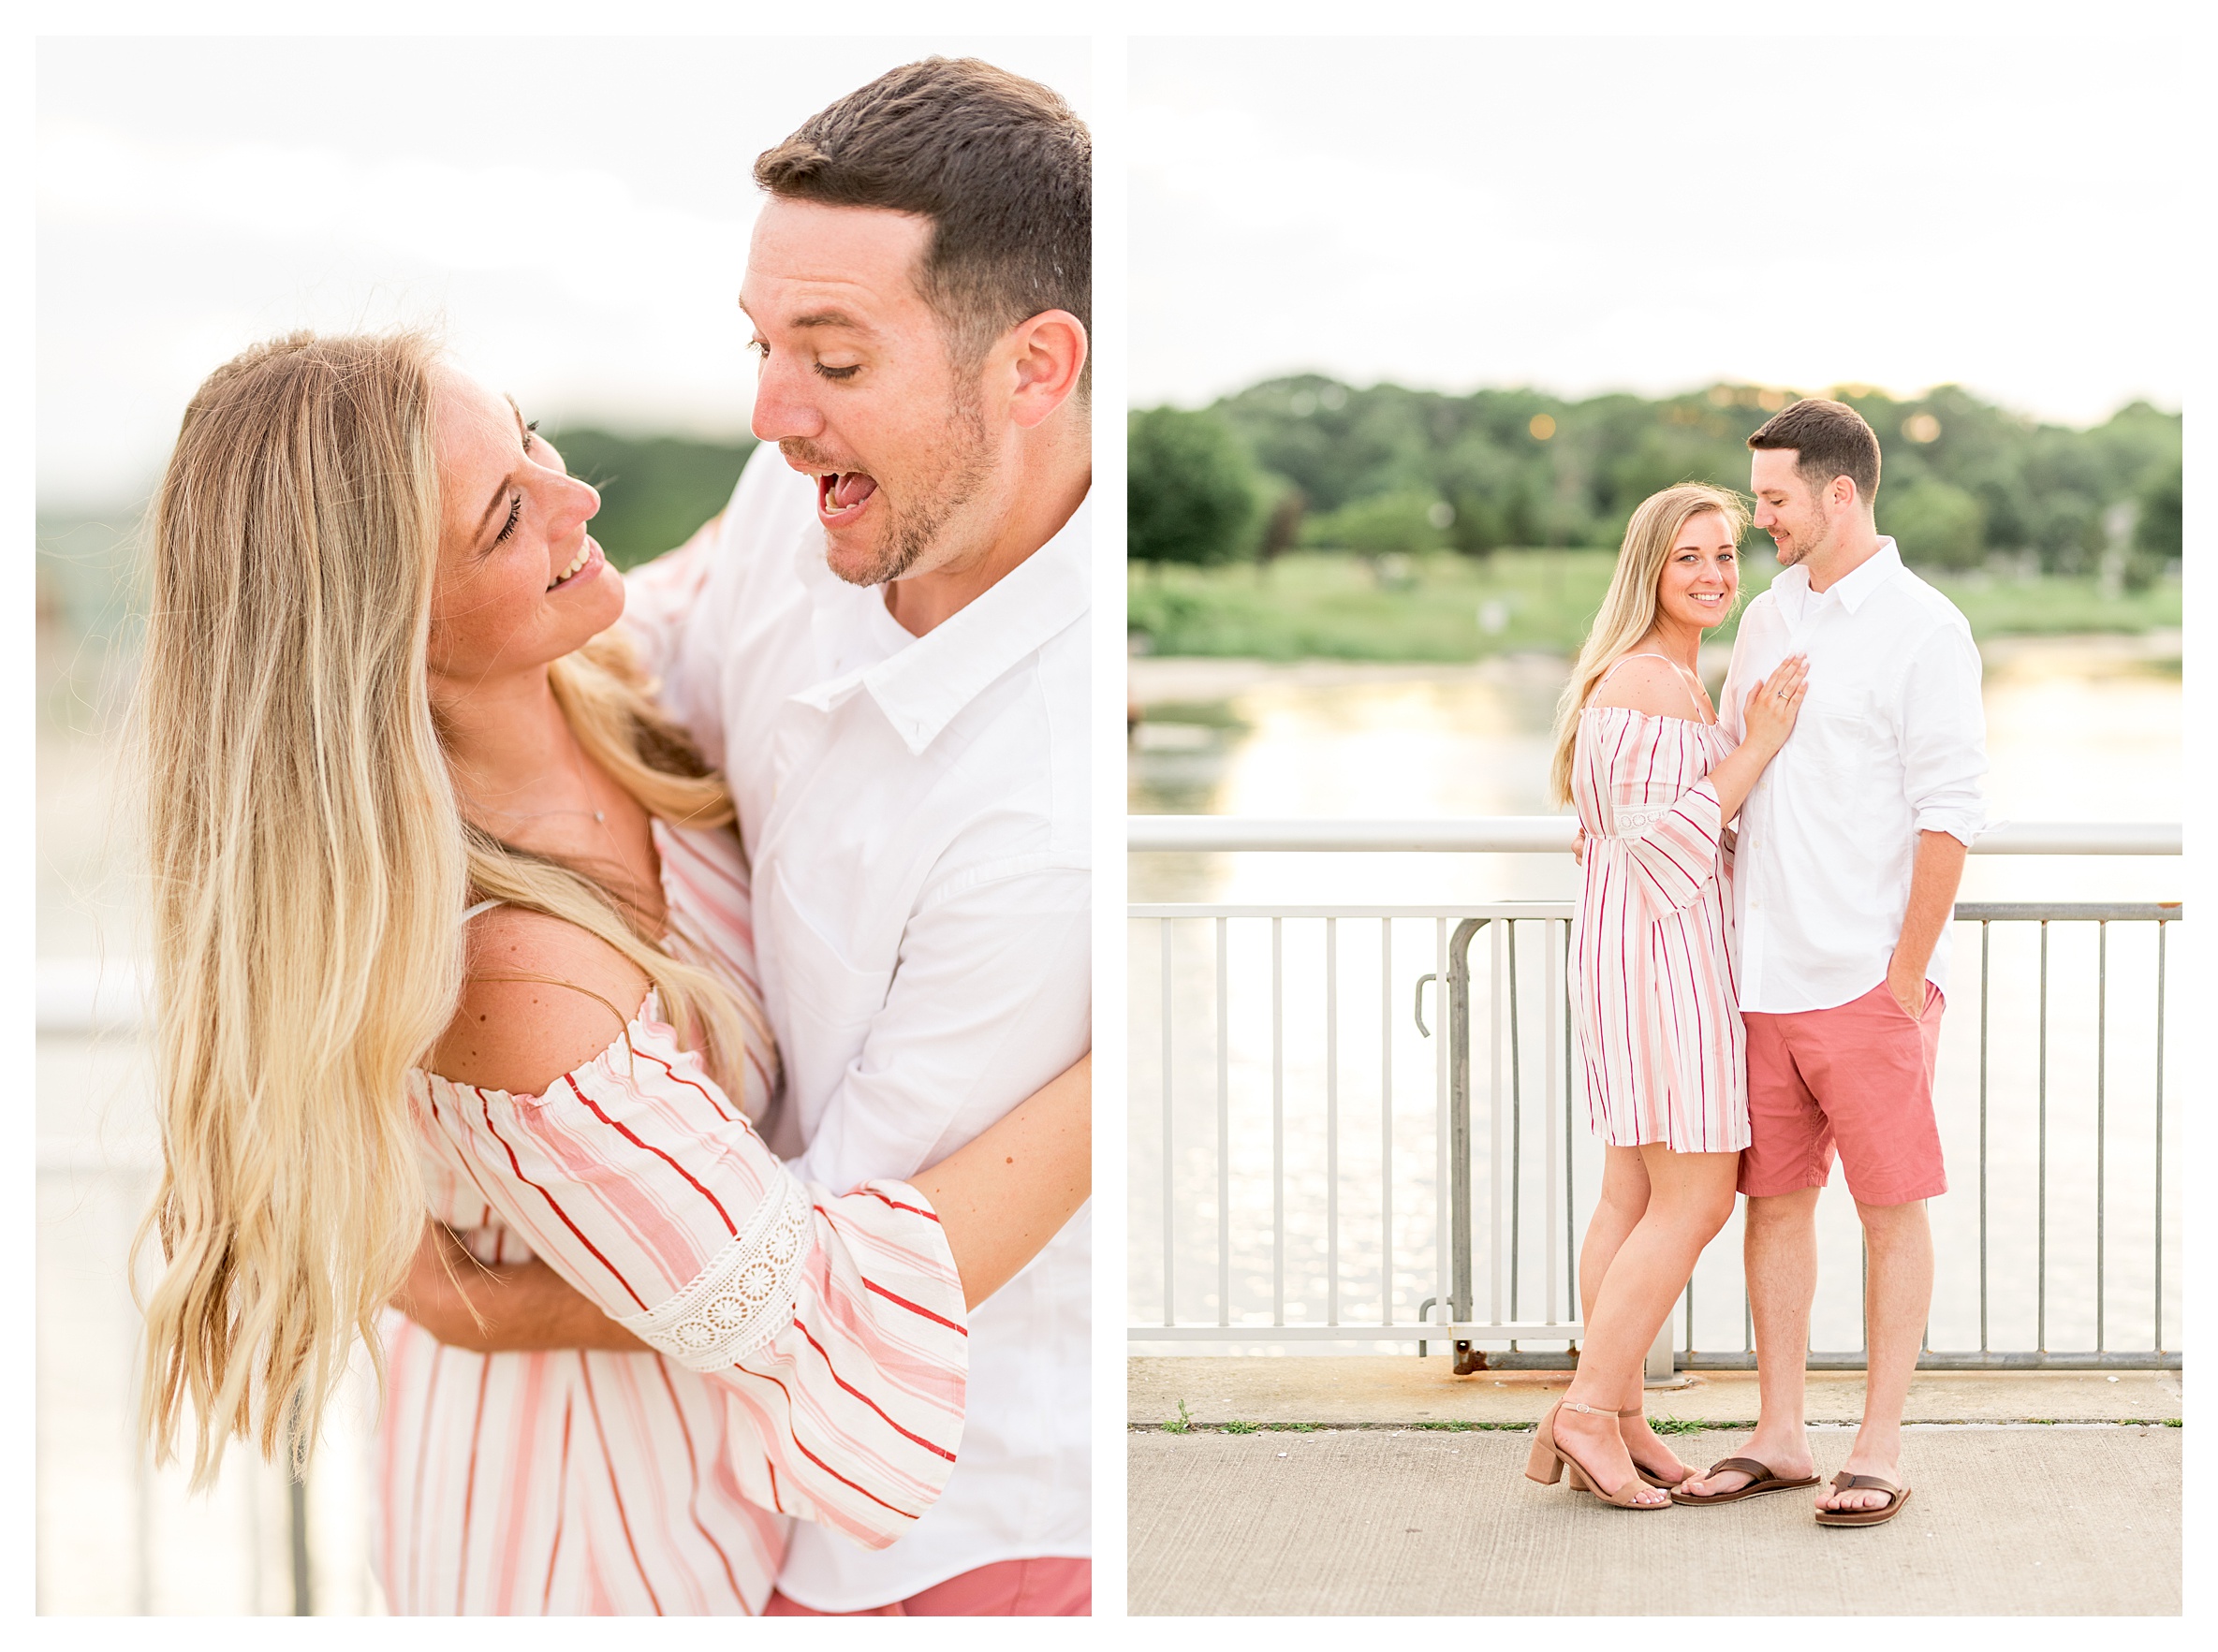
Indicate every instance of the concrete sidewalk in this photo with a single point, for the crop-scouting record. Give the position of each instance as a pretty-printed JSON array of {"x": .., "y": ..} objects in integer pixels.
[
  {"x": 1388, "y": 1485},
  {"x": 2059, "y": 1520}
]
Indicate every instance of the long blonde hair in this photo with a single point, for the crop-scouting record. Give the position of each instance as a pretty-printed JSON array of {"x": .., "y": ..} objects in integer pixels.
[
  {"x": 310, "y": 862},
  {"x": 1629, "y": 610}
]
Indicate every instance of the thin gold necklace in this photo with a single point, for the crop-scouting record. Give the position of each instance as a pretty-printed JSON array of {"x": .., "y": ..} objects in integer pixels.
[{"x": 576, "y": 773}]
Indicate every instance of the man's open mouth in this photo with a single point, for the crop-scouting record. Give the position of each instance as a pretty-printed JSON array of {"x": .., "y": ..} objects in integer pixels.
[{"x": 840, "y": 493}]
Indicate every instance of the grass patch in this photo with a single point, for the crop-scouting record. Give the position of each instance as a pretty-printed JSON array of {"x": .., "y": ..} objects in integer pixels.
[
  {"x": 1439, "y": 606},
  {"x": 1181, "y": 1424},
  {"x": 1243, "y": 1428},
  {"x": 1678, "y": 1425},
  {"x": 2171, "y": 1422}
]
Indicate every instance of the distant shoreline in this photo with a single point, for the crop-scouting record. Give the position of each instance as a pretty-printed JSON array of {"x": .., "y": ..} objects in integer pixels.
[{"x": 1169, "y": 679}]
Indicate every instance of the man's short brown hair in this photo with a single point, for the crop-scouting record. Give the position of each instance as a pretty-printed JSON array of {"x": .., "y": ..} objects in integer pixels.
[
  {"x": 999, "y": 164},
  {"x": 1830, "y": 439}
]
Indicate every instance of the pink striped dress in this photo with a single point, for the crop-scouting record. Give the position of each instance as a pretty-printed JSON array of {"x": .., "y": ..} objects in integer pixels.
[
  {"x": 812, "y": 1357},
  {"x": 1653, "y": 995}
]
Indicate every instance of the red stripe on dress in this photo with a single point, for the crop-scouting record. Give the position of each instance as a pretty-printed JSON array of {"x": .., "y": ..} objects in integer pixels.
[
  {"x": 615, "y": 1494},
  {"x": 423, "y": 1449},
  {"x": 625, "y": 1131},
  {"x": 517, "y": 1166},
  {"x": 678, "y": 1077},
  {"x": 936, "y": 1451},
  {"x": 693, "y": 1499},
  {"x": 562, "y": 1503},
  {"x": 524, "y": 1438},
  {"x": 912, "y": 1209},
  {"x": 905, "y": 1301},
  {"x": 461, "y": 1557},
  {"x": 813, "y": 1456}
]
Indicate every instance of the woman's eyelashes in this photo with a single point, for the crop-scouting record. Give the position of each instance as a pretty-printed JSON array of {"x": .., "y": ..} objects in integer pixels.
[
  {"x": 528, "y": 437},
  {"x": 515, "y": 514}
]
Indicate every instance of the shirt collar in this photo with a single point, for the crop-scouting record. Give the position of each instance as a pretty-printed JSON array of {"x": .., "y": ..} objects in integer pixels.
[
  {"x": 1874, "y": 571},
  {"x": 921, "y": 687},
  {"x": 1853, "y": 588}
]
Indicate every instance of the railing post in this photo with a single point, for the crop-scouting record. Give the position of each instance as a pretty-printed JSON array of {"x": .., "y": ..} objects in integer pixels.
[
  {"x": 1458, "y": 1129},
  {"x": 297, "y": 1509},
  {"x": 1660, "y": 1365},
  {"x": 1169, "y": 1134}
]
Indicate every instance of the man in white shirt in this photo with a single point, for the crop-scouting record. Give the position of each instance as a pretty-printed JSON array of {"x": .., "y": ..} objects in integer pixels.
[
  {"x": 883, "y": 642},
  {"x": 1850, "y": 849},
  {"x": 888, "y": 652}
]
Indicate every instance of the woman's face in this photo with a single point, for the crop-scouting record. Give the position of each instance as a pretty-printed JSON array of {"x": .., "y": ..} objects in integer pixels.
[
  {"x": 1701, "y": 573},
  {"x": 519, "y": 582}
]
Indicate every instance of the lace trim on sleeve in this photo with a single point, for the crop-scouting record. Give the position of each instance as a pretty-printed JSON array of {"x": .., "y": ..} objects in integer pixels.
[
  {"x": 743, "y": 1297},
  {"x": 1631, "y": 821}
]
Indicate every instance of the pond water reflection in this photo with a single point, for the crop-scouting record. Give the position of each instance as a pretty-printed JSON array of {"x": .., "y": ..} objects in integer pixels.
[{"x": 2079, "y": 728}]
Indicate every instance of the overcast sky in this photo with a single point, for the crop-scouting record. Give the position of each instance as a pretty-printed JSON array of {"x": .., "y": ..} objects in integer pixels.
[
  {"x": 1587, "y": 216},
  {"x": 574, "y": 212}
]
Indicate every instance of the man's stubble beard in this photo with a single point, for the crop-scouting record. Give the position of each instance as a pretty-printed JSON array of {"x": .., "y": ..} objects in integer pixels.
[
  {"x": 1807, "y": 545},
  {"x": 965, "y": 465}
]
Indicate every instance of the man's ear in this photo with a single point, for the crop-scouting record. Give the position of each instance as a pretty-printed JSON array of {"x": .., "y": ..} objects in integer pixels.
[{"x": 1045, "y": 355}]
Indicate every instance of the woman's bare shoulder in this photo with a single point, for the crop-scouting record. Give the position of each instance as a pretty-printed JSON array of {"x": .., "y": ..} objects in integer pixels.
[
  {"x": 1646, "y": 683},
  {"x": 540, "y": 997}
]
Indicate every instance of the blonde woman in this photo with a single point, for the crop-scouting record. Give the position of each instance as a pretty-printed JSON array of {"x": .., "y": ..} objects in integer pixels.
[
  {"x": 449, "y": 920},
  {"x": 1639, "y": 751}
]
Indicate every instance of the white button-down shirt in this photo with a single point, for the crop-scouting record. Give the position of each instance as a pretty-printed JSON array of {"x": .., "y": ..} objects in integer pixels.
[
  {"x": 917, "y": 812},
  {"x": 1892, "y": 742}
]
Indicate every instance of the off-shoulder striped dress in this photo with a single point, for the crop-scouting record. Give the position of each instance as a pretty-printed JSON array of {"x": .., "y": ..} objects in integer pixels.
[
  {"x": 813, "y": 1360},
  {"x": 1653, "y": 995}
]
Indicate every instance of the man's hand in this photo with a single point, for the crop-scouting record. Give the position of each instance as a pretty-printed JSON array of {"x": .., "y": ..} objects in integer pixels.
[
  {"x": 1934, "y": 874},
  {"x": 1906, "y": 981},
  {"x": 502, "y": 1308}
]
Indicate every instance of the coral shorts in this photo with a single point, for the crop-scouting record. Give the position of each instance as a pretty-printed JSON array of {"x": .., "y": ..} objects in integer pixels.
[
  {"x": 1057, "y": 1586},
  {"x": 1859, "y": 1077}
]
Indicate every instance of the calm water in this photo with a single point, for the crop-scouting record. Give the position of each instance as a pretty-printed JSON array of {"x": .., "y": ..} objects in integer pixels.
[{"x": 2078, "y": 730}]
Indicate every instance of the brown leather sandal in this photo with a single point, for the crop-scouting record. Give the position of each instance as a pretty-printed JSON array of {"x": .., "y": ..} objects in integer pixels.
[
  {"x": 1761, "y": 1480},
  {"x": 1844, "y": 1481},
  {"x": 1549, "y": 1460}
]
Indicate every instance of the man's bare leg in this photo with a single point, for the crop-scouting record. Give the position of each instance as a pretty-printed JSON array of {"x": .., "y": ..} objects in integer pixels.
[
  {"x": 1780, "y": 1244},
  {"x": 1897, "y": 1296}
]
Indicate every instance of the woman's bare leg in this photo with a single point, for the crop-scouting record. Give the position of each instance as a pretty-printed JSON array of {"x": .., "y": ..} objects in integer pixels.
[
  {"x": 1689, "y": 1198},
  {"x": 1623, "y": 1203}
]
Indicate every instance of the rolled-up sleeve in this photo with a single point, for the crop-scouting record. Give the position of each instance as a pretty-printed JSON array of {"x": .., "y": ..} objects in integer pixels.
[{"x": 1942, "y": 727}]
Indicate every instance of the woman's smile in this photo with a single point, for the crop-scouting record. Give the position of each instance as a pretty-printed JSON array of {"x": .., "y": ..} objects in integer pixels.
[{"x": 587, "y": 561}]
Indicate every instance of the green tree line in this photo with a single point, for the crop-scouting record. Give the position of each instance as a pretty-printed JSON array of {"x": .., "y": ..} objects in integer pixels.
[
  {"x": 655, "y": 491},
  {"x": 1307, "y": 462}
]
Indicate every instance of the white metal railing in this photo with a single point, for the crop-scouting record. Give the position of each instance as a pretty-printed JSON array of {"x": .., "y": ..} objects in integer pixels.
[
  {"x": 1548, "y": 834},
  {"x": 1469, "y": 1188},
  {"x": 115, "y": 1533}
]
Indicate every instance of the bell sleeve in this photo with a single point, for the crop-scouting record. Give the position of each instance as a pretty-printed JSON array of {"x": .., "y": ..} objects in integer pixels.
[{"x": 834, "y": 1324}]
